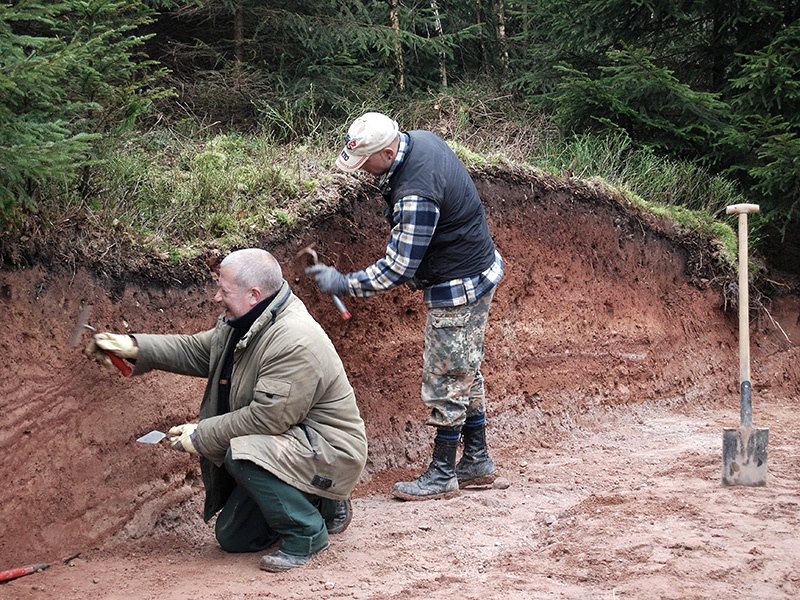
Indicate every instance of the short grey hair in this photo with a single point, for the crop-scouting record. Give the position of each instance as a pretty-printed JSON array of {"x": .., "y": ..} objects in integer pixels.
[{"x": 254, "y": 267}]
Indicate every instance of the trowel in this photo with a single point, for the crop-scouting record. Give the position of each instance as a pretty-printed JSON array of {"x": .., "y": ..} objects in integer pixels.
[{"x": 154, "y": 437}]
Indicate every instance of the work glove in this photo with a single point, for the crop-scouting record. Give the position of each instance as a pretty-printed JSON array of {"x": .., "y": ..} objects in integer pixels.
[
  {"x": 329, "y": 280},
  {"x": 182, "y": 437},
  {"x": 122, "y": 345}
]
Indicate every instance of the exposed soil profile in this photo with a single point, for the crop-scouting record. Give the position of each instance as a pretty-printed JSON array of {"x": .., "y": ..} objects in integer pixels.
[{"x": 611, "y": 369}]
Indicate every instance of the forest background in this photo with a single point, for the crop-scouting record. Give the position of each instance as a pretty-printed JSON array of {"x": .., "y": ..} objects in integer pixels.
[{"x": 179, "y": 125}]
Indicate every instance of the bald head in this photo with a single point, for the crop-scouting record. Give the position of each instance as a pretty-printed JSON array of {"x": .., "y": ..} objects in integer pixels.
[{"x": 254, "y": 268}]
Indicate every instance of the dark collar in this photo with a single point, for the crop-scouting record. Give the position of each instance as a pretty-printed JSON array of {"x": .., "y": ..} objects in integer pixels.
[{"x": 245, "y": 322}]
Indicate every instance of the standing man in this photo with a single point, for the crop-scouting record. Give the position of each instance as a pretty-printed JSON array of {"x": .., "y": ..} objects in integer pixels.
[
  {"x": 439, "y": 242},
  {"x": 280, "y": 438}
]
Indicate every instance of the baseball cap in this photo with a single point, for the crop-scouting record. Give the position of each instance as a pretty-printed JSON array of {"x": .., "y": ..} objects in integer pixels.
[{"x": 369, "y": 133}]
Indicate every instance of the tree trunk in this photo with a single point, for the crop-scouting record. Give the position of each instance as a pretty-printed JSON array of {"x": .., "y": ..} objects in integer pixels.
[
  {"x": 481, "y": 33},
  {"x": 238, "y": 33},
  {"x": 399, "y": 63},
  {"x": 442, "y": 55},
  {"x": 502, "y": 41}
]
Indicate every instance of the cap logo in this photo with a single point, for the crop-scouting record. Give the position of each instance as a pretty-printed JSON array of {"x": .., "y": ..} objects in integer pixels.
[{"x": 349, "y": 142}]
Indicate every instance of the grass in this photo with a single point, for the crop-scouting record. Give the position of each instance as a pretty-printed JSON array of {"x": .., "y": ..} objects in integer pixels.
[
  {"x": 681, "y": 191},
  {"x": 176, "y": 193},
  {"x": 181, "y": 187}
]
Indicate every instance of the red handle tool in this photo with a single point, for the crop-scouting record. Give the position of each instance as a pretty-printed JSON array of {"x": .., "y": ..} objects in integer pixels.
[
  {"x": 341, "y": 307},
  {"x": 120, "y": 363},
  {"x": 10, "y": 574},
  {"x": 124, "y": 367}
]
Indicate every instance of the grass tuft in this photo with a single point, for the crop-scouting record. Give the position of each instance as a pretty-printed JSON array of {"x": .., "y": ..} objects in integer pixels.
[{"x": 179, "y": 188}]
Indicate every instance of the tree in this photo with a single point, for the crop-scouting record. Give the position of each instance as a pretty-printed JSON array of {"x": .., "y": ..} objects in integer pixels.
[
  {"x": 69, "y": 72},
  {"x": 399, "y": 61},
  {"x": 712, "y": 79},
  {"x": 764, "y": 151},
  {"x": 303, "y": 56}
]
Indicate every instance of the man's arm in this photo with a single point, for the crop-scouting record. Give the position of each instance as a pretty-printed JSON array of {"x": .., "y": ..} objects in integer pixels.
[
  {"x": 183, "y": 354},
  {"x": 415, "y": 221}
]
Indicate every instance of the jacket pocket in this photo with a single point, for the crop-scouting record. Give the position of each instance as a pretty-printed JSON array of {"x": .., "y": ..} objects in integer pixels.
[
  {"x": 272, "y": 406},
  {"x": 273, "y": 388}
]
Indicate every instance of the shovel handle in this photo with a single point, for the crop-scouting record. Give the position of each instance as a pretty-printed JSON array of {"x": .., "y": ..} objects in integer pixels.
[
  {"x": 744, "y": 299},
  {"x": 120, "y": 363}
]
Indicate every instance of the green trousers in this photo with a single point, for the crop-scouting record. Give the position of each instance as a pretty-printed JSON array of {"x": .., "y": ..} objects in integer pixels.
[{"x": 263, "y": 510}]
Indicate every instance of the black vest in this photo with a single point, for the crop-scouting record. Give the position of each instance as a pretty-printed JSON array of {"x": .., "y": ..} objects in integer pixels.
[{"x": 461, "y": 245}]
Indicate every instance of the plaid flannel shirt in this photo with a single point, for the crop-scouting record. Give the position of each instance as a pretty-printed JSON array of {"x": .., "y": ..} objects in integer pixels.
[{"x": 415, "y": 221}]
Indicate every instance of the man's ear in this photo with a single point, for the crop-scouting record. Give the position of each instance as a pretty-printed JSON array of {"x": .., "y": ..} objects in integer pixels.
[{"x": 257, "y": 295}]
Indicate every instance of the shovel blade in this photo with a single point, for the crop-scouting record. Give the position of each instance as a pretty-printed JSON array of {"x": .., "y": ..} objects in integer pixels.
[
  {"x": 153, "y": 437},
  {"x": 744, "y": 456}
]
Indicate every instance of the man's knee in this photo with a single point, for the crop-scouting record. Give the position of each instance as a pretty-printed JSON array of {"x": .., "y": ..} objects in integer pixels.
[{"x": 226, "y": 538}]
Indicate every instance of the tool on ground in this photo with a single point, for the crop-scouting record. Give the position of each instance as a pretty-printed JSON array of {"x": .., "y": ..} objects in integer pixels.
[
  {"x": 82, "y": 324},
  {"x": 17, "y": 572},
  {"x": 154, "y": 437},
  {"x": 744, "y": 449},
  {"x": 314, "y": 259}
]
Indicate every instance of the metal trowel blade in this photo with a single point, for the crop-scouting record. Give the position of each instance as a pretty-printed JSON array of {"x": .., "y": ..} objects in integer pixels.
[{"x": 153, "y": 437}]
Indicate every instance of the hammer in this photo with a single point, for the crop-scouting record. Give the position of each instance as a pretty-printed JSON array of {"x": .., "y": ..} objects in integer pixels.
[
  {"x": 82, "y": 324},
  {"x": 309, "y": 250}
]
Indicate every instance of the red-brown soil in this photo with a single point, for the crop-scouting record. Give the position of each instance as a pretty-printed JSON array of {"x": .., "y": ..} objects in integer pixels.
[{"x": 611, "y": 367}]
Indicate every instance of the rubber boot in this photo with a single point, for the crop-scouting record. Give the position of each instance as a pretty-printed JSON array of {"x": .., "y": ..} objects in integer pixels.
[
  {"x": 439, "y": 481},
  {"x": 476, "y": 467}
]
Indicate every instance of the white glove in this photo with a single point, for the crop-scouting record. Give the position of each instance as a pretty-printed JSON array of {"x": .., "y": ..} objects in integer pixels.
[
  {"x": 122, "y": 345},
  {"x": 181, "y": 437}
]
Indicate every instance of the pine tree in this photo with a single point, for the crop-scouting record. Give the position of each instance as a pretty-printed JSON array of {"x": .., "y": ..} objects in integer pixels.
[{"x": 69, "y": 72}]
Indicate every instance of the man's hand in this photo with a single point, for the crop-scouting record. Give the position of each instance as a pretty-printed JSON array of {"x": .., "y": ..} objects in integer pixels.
[
  {"x": 329, "y": 280},
  {"x": 181, "y": 437},
  {"x": 122, "y": 345}
]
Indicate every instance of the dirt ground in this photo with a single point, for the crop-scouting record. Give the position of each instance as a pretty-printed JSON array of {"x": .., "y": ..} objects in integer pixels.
[{"x": 611, "y": 367}]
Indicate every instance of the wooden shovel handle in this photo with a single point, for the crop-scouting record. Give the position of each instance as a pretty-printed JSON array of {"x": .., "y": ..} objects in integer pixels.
[
  {"x": 741, "y": 209},
  {"x": 744, "y": 298}
]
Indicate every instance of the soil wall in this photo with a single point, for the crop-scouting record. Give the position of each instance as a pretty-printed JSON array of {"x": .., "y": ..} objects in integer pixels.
[{"x": 600, "y": 308}]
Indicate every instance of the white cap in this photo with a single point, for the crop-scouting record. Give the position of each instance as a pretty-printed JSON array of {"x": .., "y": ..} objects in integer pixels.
[{"x": 369, "y": 133}]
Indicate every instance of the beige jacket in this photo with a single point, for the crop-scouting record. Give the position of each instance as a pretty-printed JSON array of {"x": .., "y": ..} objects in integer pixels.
[{"x": 292, "y": 409}]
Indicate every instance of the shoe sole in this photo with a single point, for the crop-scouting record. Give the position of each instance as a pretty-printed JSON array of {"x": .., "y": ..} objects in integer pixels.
[
  {"x": 483, "y": 480},
  {"x": 412, "y": 497}
]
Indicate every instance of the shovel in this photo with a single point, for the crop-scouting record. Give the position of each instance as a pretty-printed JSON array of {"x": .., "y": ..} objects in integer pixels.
[{"x": 744, "y": 450}]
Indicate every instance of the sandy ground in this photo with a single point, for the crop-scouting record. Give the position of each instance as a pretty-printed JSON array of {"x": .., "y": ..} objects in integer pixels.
[{"x": 632, "y": 509}]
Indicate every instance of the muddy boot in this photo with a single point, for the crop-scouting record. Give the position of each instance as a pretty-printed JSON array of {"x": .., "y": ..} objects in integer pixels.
[
  {"x": 439, "y": 481},
  {"x": 476, "y": 466},
  {"x": 342, "y": 515}
]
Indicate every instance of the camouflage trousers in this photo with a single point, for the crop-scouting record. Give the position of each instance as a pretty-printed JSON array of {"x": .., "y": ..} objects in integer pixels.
[{"x": 452, "y": 384}]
